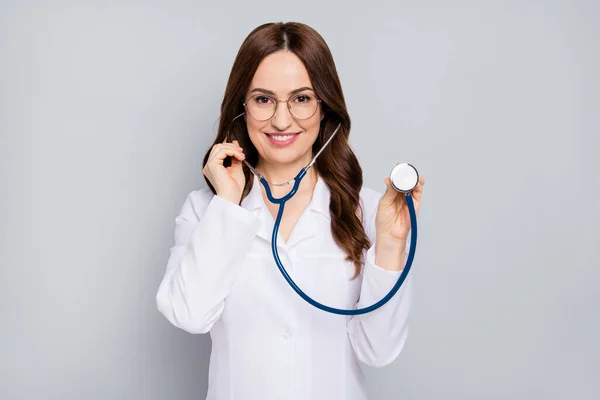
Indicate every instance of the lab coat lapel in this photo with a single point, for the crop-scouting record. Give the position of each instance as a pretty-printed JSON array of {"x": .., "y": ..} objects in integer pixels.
[
  {"x": 305, "y": 226},
  {"x": 254, "y": 202}
]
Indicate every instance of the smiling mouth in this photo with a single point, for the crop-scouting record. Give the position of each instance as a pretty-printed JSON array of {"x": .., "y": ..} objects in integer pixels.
[{"x": 282, "y": 137}]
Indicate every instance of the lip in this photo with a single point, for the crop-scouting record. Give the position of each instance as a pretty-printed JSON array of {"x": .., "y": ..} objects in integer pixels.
[{"x": 285, "y": 142}]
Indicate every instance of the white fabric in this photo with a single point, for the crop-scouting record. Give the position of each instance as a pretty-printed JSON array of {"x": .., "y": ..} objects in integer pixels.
[{"x": 267, "y": 342}]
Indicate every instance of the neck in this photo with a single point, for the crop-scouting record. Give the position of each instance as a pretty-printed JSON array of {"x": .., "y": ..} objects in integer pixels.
[{"x": 279, "y": 173}]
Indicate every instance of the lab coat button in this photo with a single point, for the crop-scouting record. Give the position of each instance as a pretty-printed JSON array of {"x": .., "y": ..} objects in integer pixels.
[{"x": 285, "y": 335}]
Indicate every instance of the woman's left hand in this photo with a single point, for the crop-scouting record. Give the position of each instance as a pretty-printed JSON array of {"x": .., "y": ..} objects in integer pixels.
[{"x": 393, "y": 219}]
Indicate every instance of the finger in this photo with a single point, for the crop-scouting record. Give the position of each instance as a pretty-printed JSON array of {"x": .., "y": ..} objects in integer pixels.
[
  {"x": 220, "y": 145},
  {"x": 231, "y": 146},
  {"x": 230, "y": 152},
  {"x": 417, "y": 192},
  {"x": 238, "y": 145},
  {"x": 225, "y": 152},
  {"x": 235, "y": 164},
  {"x": 235, "y": 145},
  {"x": 417, "y": 197},
  {"x": 390, "y": 194},
  {"x": 400, "y": 201},
  {"x": 216, "y": 148}
]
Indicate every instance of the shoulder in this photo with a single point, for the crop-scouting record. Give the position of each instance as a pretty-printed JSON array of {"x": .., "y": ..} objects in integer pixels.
[{"x": 196, "y": 203}]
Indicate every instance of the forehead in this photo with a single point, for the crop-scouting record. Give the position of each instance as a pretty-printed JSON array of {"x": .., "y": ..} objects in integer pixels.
[{"x": 281, "y": 72}]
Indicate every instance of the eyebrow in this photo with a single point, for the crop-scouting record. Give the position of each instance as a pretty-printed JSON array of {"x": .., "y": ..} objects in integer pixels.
[{"x": 273, "y": 93}]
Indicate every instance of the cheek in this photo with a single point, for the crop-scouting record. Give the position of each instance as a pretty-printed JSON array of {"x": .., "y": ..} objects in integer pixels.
[
  {"x": 254, "y": 131},
  {"x": 312, "y": 127}
]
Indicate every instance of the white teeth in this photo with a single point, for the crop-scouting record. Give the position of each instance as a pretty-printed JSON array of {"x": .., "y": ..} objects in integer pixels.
[{"x": 282, "y": 138}]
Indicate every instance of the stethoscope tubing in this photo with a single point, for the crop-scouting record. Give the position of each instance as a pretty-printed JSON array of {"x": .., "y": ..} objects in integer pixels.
[{"x": 413, "y": 244}]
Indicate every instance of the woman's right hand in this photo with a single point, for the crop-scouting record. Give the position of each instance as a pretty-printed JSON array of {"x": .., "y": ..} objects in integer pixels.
[{"x": 228, "y": 182}]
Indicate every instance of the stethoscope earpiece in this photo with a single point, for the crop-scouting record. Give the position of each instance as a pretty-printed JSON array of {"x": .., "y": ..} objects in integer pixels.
[{"x": 404, "y": 177}]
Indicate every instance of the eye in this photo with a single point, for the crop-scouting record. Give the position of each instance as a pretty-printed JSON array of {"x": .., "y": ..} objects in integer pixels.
[
  {"x": 262, "y": 99},
  {"x": 302, "y": 98}
]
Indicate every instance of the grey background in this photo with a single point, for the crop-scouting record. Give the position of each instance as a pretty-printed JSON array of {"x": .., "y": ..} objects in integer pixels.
[{"x": 106, "y": 110}]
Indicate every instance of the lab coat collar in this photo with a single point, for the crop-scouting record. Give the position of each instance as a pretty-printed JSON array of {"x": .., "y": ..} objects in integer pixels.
[{"x": 304, "y": 228}]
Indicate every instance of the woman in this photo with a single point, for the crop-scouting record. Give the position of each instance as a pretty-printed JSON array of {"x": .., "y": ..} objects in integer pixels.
[{"x": 343, "y": 244}]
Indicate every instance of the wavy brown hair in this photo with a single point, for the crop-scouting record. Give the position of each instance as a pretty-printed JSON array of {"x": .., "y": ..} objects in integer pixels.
[{"x": 337, "y": 165}]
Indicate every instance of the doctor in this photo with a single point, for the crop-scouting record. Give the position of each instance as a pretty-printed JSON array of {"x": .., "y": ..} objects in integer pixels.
[{"x": 343, "y": 244}]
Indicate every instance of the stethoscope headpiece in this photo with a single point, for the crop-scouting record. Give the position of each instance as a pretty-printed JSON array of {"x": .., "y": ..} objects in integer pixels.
[{"x": 404, "y": 177}]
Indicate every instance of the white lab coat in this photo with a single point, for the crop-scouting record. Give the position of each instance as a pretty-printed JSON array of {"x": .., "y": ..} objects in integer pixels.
[{"x": 267, "y": 342}]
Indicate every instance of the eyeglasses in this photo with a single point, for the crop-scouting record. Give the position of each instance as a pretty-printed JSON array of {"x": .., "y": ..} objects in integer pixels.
[{"x": 262, "y": 107}]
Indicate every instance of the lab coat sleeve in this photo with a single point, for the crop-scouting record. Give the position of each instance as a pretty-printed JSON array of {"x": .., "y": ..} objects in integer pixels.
[
  {"x": 212, "y": 236},
  {"x": 379, "y": 336}
]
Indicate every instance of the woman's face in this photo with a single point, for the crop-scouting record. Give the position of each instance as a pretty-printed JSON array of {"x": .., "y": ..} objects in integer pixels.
[{"x": 282, "y": 139}]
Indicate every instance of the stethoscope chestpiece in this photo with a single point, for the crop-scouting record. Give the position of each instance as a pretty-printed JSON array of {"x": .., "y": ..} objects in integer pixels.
[{"x": 404, "y": 178}]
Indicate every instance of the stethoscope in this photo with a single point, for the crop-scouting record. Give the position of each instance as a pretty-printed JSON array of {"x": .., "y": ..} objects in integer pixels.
[{"x": 403, "y": 177}]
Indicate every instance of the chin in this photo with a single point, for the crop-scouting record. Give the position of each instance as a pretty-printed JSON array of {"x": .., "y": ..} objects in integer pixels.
[{"x": 285, "y": 158}]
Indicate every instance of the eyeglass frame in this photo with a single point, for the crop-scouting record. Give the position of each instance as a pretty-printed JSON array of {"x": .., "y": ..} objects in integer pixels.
[{"x": 277, "y": 101}]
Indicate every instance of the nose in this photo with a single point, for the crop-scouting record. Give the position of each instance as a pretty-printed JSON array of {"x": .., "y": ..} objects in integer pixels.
[{"x": 282, "y": 118}]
